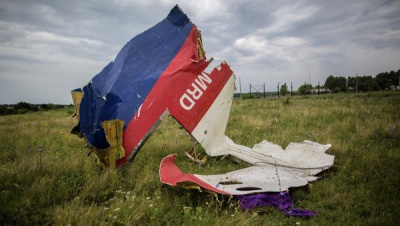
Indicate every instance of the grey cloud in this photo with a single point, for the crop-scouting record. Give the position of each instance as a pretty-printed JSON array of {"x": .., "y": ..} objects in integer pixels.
[{"x": 263, "y": 41}]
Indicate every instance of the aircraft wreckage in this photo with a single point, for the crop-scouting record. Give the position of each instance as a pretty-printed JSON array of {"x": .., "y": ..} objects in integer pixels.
[{"x": 161, "y": 72}]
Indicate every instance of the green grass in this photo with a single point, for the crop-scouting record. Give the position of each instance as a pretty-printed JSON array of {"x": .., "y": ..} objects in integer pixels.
[{"x": 62, "y": 185}]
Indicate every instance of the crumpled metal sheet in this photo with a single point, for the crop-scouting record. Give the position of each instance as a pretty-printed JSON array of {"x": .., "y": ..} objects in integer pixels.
[
  {"x": 161, "y": 72},
  {"x": 305, "y": 158},
  {"x": 121, "y": 88},
  {"x": 254, "y": 179},
  {"x": 302, "y": 159},
  {"x": 157, "y": 73}
]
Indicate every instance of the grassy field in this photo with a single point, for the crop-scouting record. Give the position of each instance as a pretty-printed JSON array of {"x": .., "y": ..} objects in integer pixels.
[{"x": 47, "y": 178}]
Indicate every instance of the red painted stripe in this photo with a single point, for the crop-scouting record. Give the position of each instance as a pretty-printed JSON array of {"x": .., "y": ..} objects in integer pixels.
[
  {"x": 170, "y": 174},
  {"x": 168, "y": 90},
  {"x": 190, "y": 118}
]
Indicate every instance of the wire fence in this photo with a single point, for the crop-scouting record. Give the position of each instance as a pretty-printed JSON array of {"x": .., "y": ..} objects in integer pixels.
[{"x": 259, "y": 91}]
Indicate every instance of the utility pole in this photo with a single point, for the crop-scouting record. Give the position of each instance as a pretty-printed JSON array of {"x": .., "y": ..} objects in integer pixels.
[
  {"x": 264, "y": 90},
  {"x": 357, "y": 82},
  {"x": 250, "y": 91},
  {"x": 278, "y": 89},
  {"x": 240, "y": 88},
  {"x": 291, "y": 89}
]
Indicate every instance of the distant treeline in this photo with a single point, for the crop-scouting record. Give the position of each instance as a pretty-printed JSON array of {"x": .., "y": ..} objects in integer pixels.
[
  {"x": 382, "y": 81},
  {"x": 23, "y": 107},
  {"x": 335, "y": 84}
]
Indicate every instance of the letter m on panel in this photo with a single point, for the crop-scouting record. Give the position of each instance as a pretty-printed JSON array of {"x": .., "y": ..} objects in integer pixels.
[{"x": 202, "y": 79}]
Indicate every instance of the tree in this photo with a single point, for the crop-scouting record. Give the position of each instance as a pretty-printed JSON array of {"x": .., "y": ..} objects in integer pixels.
[
  {"x": 246, "y": 96},
  {"x": 23, "y": 105},
  {"x": 336, "y": 83},
  {"x": 383, "y": 80},
  {"x": 284, "y": 90},
  {"x": 330, "y": 82},
  {"x": 351, "y": 82},
  {"x": 367, "y": 83},
  {"x": 305, "y": 89},
  {"x": 44, "y": 106},
  {"x": 342, "y": 83},
  {"x": 393, "y": 79}
]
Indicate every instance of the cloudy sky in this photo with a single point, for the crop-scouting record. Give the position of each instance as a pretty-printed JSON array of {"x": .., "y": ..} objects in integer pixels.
[{"x": 49, "y": 47}]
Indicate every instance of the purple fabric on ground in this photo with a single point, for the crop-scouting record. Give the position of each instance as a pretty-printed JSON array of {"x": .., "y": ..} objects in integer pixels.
[{"x": 280, "y": 200}]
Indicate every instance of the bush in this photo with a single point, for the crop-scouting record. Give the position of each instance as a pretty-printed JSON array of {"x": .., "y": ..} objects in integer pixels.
[
  {"x": 44, "y": 106},
  {"x": 23, "y": 105},
  {"x": 248, "y": 96},
  {"x": 22, "y": 110},
  {"x": 35, "y": 108}
]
